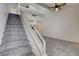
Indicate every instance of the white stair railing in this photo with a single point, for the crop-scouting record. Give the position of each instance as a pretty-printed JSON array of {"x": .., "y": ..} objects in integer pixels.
[{"x": 38, "y": 40}]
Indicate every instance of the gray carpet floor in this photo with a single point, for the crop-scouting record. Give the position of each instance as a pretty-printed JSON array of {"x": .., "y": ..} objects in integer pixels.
[
  {"x": 56, "y": 47},
  {"x": 15, "y": 41}
]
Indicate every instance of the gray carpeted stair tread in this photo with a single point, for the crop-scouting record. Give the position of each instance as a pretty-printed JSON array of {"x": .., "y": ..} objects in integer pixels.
[
  {"x": 12, "y": 45},
  {"x": 16, "y": 28},
  {"x": 28, "y": 54},
  {"x": 14, "y": 25},
  {"x": 16, "y": 51},
  {"x": 13, "y": 33},
  {"x": 12, "y": 37},
  {"x": 15, "y": 41},
  {"x": 10, "y": 40}
]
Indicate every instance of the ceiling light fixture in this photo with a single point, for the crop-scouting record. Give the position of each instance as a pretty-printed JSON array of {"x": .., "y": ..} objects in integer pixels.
[{"x": 57, "y": 7}]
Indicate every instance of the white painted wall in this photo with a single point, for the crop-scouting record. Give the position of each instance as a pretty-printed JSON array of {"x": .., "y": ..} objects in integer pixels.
[
  {"x": 14, "y": 8},
  {"x": 63, "y": 24},
  {"x": 4, "y": 9}
]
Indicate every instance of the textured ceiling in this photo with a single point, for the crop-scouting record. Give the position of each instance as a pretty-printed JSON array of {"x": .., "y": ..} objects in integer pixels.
[
  {"x": 53, "y": 4},
  {"x": 46, "y": 5}
]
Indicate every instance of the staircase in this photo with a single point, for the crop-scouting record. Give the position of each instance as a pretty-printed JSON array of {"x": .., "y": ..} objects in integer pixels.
[{"x": 15, "y": 41}]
